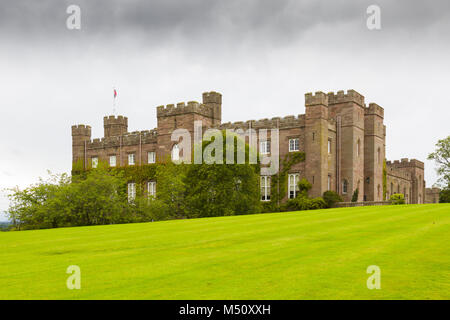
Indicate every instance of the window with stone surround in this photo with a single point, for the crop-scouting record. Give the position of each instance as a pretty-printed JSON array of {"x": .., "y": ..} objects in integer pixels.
[
  {"x": 294, "y": 145},
  {"x": 94, "y": 162},
  {"x": 131, "y": 159},
  {"x": 112, "y": 161},
  {"x": 293, "y": 185},
  {"x": 151, "y": 157},
  {"x": 265, "y": 188},
  {"x": 329, "y": 183},
  {"x": 329, "y": 146},
  {"x": 344, "y": 186},
  {"x": 131, "y": 191},
  {"x": 151, "y": 189},
  {"x": 264, "y": 147}
]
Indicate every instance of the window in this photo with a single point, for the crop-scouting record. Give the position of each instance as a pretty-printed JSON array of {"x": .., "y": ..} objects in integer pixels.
[
  {"x": 151, "y": 189},
  {"x": 112, "y": 161},
  {"x": 329, "y": 183},
  {"x": 293, "y": 185},
  {"x": 175, "y": 153},
  {"x": 378, "y": 155},
  {"x": 378, "y": 191},
  {"x": 264, "y": 147},
  {"x": 313, "y": 135},
  {"x": 294, "y": 145},
  {"x": 358, "y": 148},
  {"x": 265, "y": 188},
  {"x": 151, "y": 157},
  {"x": 131, "y": 159},
  {"x": 94, "y": 162},
  {"x": 329, "y": 146},
  {"x": 344, "y": 186},
  {"x": 131, "y": 191},
  {"x": 392, "y": 188}
]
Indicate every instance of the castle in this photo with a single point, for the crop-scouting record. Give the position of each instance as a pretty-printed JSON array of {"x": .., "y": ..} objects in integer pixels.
[{"x": 344, "y": 141}]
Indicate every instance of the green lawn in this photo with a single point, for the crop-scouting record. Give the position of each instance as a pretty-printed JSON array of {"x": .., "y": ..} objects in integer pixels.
[{"x": 320, "y": 254}]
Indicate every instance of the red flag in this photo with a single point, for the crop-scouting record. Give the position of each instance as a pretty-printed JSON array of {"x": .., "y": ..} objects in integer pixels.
[{"x": 115, "y": 93}]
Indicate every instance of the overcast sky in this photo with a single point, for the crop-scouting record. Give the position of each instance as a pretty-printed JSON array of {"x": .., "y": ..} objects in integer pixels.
[{"x": 262, "y": 55}]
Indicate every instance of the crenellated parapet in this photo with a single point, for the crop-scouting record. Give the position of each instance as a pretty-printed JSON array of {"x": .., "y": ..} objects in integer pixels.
[
  {"x": 81, "y": 130},
  {"x": 406, "y": 163},
  {"x": 319, "y": 98},
  {"x": 183, "y": 108},
  {"x": 342, "y": 97},
  {"x": 374, "y": 109},
  {"x": 276, "y": 122},
  {"x": 128, "y": 139}
]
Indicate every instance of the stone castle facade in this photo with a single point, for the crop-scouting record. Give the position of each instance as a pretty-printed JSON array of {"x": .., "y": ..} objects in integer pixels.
[{"x": 343, "y": 138}]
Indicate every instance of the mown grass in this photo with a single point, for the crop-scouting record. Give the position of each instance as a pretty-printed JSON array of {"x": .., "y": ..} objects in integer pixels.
[{"x": 320, "y": 254}]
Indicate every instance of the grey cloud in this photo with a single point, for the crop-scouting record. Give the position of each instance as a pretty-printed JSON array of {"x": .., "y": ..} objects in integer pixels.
[{"x": 210, "y": 21}]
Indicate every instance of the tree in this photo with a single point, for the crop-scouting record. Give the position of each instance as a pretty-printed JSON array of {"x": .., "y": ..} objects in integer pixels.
[
  {"x": 442, "y": 159},
  {"x": 444, "y": 195},
  {"x": 223, "y": 189}
]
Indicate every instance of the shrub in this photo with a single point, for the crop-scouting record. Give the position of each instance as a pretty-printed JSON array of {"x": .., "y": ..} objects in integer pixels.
[
  {"x": 355, "y": 195},
  {"x": 397, "y": 198},
  {"x": 331, "y": 198},
  {"x": 304, "y": 203},
  {"x": 444, "y": 195}
]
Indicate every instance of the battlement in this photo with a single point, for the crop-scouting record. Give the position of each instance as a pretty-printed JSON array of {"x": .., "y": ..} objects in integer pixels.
[
  {"x": 81, "y": 130},
  {"x": 342, "y": 97},
  {"x": 212, "y": 97},
  {"x": 128, "y": 139},
  {"x": 319, "y": 98},
  {"x": 374, "y": 109},
  {"x": 182, "y": 108},
  {"x": 113, "y": 120},
  {"x": 405, "y": 162},
  {"x": 285, "y": 122}
]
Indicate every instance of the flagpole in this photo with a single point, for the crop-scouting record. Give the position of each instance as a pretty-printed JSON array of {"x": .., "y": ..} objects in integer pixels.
[{"x": 114, "y": 101}]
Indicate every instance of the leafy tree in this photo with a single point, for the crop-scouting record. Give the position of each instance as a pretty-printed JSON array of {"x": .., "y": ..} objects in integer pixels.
[
  {"x": 444, "y": 195},
  {"x": 355, "y": 195},
  {"x": 223, "y": 189},
  {"x": 442, "y": 159}
]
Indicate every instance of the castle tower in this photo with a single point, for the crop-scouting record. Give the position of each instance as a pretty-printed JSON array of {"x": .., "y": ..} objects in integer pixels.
[
  {"x": 182, "y": 116},
  {"x": 213, "y": 100},
  {"x": 316, "y": 142},
  {"x": 374, "y": 152},
  {"x": 81, "y": 134},
  {"x": 349, "y": 109},
  {"x": 115, "y": 126}
]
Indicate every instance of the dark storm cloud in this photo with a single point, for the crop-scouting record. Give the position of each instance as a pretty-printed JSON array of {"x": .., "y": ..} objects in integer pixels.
[{"x": 210, "y": 20}]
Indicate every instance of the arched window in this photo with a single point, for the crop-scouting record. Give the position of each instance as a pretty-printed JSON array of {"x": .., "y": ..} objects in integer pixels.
[
  {"x": 175, "y": 153},
  {"x": 378, "y": 191},
  {"x": 392, "y": 188},
  {"x": 344, "y": 186}
]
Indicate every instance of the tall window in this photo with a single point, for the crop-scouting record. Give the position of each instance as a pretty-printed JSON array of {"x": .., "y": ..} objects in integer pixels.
[
  {"x": 392, "y": 188},
  {"x": 175, "y": 153},
  {"x": 294, "y": 145},
  {"x": 358, "y": 148},
  {"x": 293, "y": 185},
  {"x": 265, "y": 188},
  {"x": 151, "y": 189},
  {"x": 131, "y": 191},
  {"x": 94, "y": 162},
  {"x": 378, "y": 191},
  {"x": 264, "y": 147},
  {"x": 131, "y": 159},
  {"x": 379, "y": 155},
  {"x": 329, "y": 146},
  {"x": 112, "y": 161},
  {"x": 151, "y": 157},
  {"x": 329, "y": 183},
  {"x": 344, "y": 186}
]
